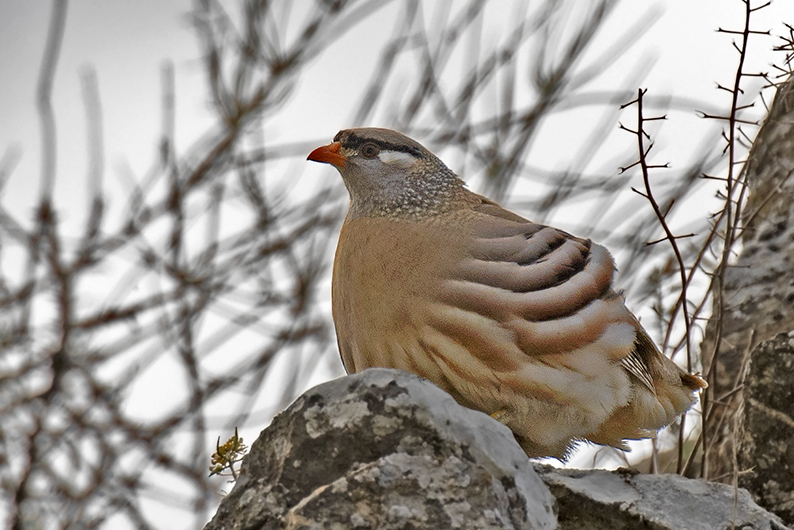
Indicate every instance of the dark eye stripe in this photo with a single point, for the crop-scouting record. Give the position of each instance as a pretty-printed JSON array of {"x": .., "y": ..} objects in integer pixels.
[{"x": 353, "y": 142}]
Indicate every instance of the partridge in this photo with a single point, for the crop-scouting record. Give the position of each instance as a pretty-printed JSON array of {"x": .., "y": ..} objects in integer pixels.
[{"x": 513, "y": 318}]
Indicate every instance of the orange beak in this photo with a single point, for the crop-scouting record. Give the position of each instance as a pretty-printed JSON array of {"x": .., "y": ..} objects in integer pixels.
[{"x": 328, "y": 154}]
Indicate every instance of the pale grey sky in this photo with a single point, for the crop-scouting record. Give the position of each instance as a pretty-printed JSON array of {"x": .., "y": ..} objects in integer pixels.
[{"x": 126, "y": 42}]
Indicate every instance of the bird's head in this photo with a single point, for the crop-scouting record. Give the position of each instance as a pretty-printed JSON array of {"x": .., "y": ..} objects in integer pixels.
[{"x": 389, "y": 174}]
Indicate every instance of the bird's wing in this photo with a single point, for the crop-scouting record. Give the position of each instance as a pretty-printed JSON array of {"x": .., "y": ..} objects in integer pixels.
[
  {"x": 552, "y": 289},
  {"x": 549, "y": 276},
  {"x": 566, "y": 279}
]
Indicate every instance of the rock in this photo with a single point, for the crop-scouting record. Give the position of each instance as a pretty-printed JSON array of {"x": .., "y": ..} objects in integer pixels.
[
  {"x": 624, "y": 500},
  {"x": 385, "y": 449},
  {"x": 766, "y": 454}
]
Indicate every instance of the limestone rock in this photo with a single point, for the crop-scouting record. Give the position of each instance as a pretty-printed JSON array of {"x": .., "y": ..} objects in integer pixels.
[
  {"x": 624, "y": 500},
  {"x": 766, "y": 454},
  {"x": 385, "y": 449}
]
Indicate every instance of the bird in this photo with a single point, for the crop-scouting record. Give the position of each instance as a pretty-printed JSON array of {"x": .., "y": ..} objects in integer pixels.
[{"x": 516, "y": 319}]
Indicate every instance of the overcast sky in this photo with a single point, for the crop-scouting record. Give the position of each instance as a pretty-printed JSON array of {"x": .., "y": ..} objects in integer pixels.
[{"x": 127, "y": 42}]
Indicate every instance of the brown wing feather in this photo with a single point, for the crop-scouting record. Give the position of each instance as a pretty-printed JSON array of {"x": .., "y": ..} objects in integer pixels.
[
  {"x": 526, "y": 257},
  {"x": 636, "y": 364},
  {"x": 550, "y": 288}
]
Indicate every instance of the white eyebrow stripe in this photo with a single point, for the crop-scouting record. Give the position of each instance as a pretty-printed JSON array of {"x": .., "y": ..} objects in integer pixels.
[{"x": 397, "y": 158}]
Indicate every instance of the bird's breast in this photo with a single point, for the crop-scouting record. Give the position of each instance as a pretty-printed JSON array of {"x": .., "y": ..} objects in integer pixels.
[
  {"x": 387, "y": 273},
  {"x": 383, "y": 265}
]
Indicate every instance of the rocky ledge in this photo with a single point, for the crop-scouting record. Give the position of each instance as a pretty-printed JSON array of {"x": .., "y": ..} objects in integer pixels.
[{"x": 385, "y": 449}]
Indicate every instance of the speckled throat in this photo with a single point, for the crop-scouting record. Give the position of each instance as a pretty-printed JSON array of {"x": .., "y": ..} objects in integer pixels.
[{"x": 425, "y": 193}]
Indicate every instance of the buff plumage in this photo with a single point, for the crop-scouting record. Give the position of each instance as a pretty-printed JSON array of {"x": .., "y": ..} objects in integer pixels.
[{"x": 513, "y": 318}]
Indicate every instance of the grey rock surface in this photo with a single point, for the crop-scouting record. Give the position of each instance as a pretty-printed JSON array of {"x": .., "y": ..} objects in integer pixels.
[
  {"x": 766, "y": 451},
  {"x": 385, "y": 449},
  {"x": 758, "y": 290},
  {"x": 624, "y": 500}
]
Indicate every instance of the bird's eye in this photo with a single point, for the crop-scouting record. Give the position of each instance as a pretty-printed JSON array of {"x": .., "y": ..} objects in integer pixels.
[{"x": 369, "y": 150}]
